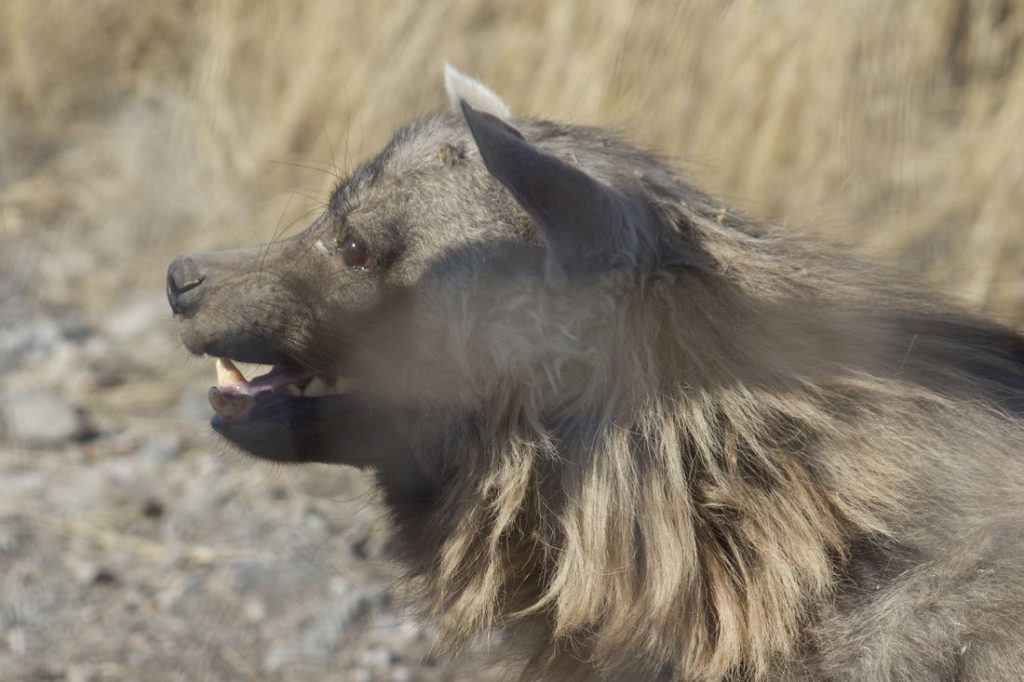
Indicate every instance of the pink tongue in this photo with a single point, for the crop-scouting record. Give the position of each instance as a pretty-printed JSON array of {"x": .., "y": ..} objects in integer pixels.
[
  {"x": 225, "y": 399},
  {"x": 276, "y": 378}
]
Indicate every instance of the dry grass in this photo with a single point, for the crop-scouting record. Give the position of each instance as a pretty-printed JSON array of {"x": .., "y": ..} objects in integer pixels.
[{"x": 135, "y": 130}]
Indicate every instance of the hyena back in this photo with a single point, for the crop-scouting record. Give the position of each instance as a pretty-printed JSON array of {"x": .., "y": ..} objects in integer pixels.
[{"x": 644, "y": 435}]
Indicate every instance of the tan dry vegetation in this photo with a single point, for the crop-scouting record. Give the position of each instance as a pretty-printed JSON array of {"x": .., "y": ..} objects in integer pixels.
[{"x": 892, "y": 125}]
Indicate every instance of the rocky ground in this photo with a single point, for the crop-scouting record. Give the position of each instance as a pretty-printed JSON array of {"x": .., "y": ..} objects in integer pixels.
[{"x": 133, "y": 546}]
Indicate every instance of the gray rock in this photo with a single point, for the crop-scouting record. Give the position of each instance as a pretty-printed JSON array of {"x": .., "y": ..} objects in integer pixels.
[
  {"x": 194, "y": 407},
  {"x": 17, "y": 641},
  {"x": 20, "y": 338},
  {"x": 136, "y": 317},
  {"x": 81, "y": 672},
  {"x": 161, "y": 448},
  {"x": 321, "y": 636},
  {"x": 15, "y": 533},
  {"x": 254, "y": 610},
  {"x": 126, "y": 471},
  {"x": 40, "y": 419},
  {"x": 402, "y": 674},
  {"x": 377, "y": 657},
  {"x": 249, "y": 577}
]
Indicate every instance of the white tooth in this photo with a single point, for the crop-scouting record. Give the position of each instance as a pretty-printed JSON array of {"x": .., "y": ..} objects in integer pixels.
[
  {"x": 227, "y": 373},
  {"x": 317, "y": 387},
  {"x": 292, "y": 390},
  {"x": 226, "y": 405}
]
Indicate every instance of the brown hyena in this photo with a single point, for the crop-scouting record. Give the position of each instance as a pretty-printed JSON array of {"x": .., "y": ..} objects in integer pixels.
[{"x": 641, "y": 434}]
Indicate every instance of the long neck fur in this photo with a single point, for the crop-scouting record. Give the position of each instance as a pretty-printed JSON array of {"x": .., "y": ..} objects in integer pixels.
[{"x": 719, "y": 444}]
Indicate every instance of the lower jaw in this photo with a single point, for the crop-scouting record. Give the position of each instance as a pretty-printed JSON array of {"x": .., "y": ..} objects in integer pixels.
[{"x": 290, "y": 429}]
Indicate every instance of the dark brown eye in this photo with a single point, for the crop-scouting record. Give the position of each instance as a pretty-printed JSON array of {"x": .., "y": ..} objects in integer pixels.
[{"x": 355, "y": 254}]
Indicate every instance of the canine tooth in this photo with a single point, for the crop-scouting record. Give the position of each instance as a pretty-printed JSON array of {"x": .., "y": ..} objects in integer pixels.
[
  {"x": 227, "y": 373},
  {"x": 291, "y": 390},
  {"x": 317, "y": 387},
  {"x": 224, "y": 404}
]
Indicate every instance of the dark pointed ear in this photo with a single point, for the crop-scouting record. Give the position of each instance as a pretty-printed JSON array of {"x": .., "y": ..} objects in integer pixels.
[
  {"x": 573, "y": 211},
  {"x": 586, "y": 224}
]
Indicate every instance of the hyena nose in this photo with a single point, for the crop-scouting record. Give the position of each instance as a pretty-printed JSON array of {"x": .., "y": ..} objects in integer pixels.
[{"x": 184, "y": 284}]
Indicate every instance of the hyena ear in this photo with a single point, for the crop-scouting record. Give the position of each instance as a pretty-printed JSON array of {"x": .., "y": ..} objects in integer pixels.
[
  {"x": 463, "y": 88},
  {"x": 586, "y": 224}
]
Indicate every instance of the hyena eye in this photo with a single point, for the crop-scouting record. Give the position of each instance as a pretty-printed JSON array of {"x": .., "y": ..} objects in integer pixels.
[{"x": 355, "y": 254}]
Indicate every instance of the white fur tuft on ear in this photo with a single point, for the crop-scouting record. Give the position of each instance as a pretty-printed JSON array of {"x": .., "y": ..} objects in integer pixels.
[{"x": 462, "y": 87}]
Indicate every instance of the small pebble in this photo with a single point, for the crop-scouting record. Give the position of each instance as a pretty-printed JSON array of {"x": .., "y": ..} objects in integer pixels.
[
  {"x": 40, "y": 419},
  {"x": 152, "y": 508}
]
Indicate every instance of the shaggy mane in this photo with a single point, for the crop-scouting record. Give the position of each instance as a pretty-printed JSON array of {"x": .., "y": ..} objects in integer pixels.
[{"x": 719, "y": 444}]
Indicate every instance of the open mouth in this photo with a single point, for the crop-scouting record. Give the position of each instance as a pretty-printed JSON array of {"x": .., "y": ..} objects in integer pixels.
[
  {"x": 235, "y": 399},
  {"x": 287, "y": 414}
]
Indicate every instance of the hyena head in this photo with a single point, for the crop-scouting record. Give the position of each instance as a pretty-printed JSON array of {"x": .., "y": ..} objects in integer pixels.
[
  {"x": 487, "y": 316},
  {"x": 474, "y": 256}
]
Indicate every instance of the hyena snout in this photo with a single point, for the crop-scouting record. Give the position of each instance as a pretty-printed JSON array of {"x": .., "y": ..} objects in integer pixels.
[
  {"x": 194, "y": 279},
  {"x": 253, "y": 305}
]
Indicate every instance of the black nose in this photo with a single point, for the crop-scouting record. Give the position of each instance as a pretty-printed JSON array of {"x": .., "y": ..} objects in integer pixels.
[{"x": 184, "y": 284}]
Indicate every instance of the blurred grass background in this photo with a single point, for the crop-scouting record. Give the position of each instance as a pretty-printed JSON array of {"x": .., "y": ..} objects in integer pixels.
[{"x": 134, "y": 131}]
